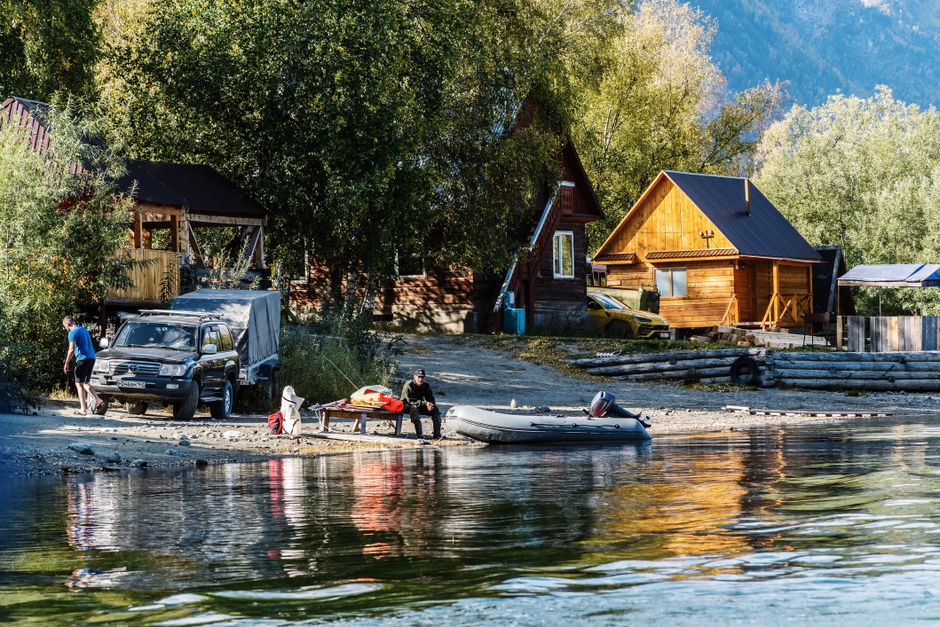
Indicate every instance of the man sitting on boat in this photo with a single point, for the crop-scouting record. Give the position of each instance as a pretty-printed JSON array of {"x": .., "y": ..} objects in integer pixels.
[{"x": 419, "y": 400}]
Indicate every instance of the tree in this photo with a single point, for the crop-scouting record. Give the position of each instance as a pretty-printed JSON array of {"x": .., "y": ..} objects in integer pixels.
[
  {"x": 657, "y": 101},
  {"x": 861, "y": 173},
  {"x": 60, "y": 226},
  {"x": 366, "y": 128},
  {"x": 47, "y": 47}
]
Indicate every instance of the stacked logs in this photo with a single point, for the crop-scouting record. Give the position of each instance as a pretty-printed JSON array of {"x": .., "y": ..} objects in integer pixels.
[
  {"x": 911, "y": 372},
  {"x": 707, "y": 366}
]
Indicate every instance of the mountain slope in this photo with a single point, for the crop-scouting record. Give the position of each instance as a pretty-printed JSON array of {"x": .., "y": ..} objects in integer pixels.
[{"x": 822, "y": 46}]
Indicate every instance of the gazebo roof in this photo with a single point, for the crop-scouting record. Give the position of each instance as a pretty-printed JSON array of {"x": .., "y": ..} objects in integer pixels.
[{"x": 893, "y": 275}]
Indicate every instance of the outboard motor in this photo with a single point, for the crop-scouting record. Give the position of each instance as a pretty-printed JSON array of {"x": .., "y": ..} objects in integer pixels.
[{"x": 604, "y": 405}]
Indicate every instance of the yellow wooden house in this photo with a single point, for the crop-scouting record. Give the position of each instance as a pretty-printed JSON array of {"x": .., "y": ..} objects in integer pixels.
[{"x": 717, "y": 251}]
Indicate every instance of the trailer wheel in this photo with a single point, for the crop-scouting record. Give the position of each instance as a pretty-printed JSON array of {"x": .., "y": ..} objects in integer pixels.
[{"x": 744, "y": 371}]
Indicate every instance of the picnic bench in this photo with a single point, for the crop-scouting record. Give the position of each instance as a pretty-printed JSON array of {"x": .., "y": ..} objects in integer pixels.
[{"x": 360, "y": 415}]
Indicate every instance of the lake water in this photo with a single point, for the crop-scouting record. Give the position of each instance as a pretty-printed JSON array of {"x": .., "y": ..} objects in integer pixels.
[{"x": 829, "y": 525}]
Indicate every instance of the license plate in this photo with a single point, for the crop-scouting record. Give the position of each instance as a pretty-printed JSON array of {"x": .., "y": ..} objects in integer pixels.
[
  {"x": 663, "y": 335},
  {"x": 133, "y": 385}
]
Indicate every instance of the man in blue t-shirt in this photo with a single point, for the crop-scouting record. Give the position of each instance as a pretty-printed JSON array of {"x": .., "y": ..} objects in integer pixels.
[{"x": 81, "y": 346}]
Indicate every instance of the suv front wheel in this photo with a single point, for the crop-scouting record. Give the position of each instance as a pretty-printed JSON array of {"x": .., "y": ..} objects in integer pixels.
[
  {"x": 186, "y": 409},
  {"x": 222, "y": 409}
]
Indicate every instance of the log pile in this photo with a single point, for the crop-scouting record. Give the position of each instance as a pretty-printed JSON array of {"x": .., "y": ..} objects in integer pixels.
[
  {"x": 757, "y": 337},
  {"x": 708, "y": 366},
  {"x": 911, "y": 371}
]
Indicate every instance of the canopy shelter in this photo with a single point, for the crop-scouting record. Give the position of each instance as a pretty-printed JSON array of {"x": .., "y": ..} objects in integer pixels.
[{"x": 893, "y": 275}]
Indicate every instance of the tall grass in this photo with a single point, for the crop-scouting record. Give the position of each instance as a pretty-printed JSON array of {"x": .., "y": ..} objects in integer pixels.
[{"x": 328, "y": 358}]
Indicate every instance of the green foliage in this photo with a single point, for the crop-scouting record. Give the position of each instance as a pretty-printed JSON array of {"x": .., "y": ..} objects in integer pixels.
[
  {"x": 864, "y": 174},
  {"x": 58, "y": 235},
  {"x": 47, "y": 46},
  {"x": 368, "y": 128},
  {"x": 657, "y": 102},
  {"x": 228, "y": 266},
  {"x": 329, "y": 359}
]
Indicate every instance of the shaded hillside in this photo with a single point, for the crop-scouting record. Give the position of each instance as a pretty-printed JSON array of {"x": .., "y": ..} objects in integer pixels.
[{"x": 821, "y": 46}]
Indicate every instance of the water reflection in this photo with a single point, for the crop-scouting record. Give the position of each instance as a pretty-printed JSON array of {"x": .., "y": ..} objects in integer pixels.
[{"x": 593, "y": 531}]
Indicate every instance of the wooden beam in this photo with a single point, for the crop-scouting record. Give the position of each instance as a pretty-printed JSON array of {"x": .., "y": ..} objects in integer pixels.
[
  {"x": 194, "y": 246},
  {"x": 204, "y": 219},
  {"x": 175, "y": 234},
  {"x": 136, "y": 235},
  {"x": 776, "y": 296}
]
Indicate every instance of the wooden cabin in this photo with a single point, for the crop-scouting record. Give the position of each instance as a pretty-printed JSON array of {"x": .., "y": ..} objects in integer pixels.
[
  {"x": 549, "y": 286},
  {"x": 170, "y": 197},
  {"x": 717, "y": 251}
]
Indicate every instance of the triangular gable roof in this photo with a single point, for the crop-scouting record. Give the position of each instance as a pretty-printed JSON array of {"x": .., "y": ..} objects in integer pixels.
[
  {"x": 582, "y": 182},
  {"x": 200, "y": 188},
  {"x": 763, "y": 233}
]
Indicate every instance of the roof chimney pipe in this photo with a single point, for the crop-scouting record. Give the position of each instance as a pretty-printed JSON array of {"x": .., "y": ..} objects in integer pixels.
[{"x": 747, "y": 196}]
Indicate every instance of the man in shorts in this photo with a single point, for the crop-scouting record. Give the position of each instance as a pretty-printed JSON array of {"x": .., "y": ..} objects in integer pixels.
[{"x": 81, "y": 346}]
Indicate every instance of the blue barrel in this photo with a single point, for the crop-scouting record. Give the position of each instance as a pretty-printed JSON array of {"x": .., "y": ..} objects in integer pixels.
[{"x": 514, "y": 319}]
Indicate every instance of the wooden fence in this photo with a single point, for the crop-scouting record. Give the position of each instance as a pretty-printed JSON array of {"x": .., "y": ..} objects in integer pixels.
[
  {"x": 892, "y": 333},
  {"x": 158, "y": 271}
]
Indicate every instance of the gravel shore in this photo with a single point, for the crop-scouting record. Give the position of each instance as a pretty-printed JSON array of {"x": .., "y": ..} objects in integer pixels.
[{"x": 57, "y": 441}]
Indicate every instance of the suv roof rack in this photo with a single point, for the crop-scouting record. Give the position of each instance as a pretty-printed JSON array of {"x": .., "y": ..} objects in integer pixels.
[{"x": 201, "y": 315}]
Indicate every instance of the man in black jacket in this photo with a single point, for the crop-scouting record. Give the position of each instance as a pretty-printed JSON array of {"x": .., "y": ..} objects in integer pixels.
[{"x": 418, "y": 399}]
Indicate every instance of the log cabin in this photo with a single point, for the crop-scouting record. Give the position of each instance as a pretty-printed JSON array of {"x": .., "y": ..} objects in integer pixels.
[
  {"x": 547, "y": 287},
  {"x": 716, "y": 250},
  {"x": 170, "y": 197}
]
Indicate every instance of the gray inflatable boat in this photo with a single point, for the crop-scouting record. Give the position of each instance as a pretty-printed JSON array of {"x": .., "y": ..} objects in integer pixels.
[{"x": 497, "y": 428}]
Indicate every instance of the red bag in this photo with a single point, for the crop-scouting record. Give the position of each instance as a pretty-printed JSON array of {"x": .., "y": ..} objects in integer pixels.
[{"x": 276, "y": 423}]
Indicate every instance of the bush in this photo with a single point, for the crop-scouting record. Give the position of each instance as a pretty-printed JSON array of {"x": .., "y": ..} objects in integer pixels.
[{"x": 328, "y": 358}]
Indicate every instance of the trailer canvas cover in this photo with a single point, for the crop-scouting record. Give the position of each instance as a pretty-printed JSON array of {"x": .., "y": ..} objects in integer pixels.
[{"x": 254, "y": 317}]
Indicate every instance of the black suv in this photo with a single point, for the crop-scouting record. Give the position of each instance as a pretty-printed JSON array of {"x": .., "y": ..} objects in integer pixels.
[{"x": 171, "y": 357}]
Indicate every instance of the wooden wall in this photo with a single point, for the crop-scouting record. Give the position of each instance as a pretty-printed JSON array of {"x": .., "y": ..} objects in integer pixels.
[
  {"x": 563, "y": 296},
  {"x": 710, "y": 287},
  {"x": 148, "y": 279},
  {"x": 666, "y": 219},
  {"x": 441, "y": 301}
]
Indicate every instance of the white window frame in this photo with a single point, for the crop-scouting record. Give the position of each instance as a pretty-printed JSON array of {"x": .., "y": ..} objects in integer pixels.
[
  {"x": 557, "y": 263},
  {"x": 424, "y": 270},
  {"x": 671, "y": 280}
]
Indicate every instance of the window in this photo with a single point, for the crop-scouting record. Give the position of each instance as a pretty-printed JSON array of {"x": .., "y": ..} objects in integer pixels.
[
  {"x": 671, "y": 282},
  {"x": 299, "y": 264},
  {"x": 409, "y": 265},
  {"x": 563, "y": 247},
  {"x": 227, "y": 343},
  {"x": 211, "y": 336}
]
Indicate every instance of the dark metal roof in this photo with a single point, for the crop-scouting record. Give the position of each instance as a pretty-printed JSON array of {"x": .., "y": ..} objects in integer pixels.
[
  {"x": 199, "y": 187},
  {"x": 763, "y": 233},
  {"x": 149, "y": 189}
]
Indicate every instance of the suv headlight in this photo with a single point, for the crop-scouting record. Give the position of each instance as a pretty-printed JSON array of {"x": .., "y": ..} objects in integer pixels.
[
  {"x": 102, "y": 365},
  {"x": 172, "y": 370},
  {"x": 641, "y": 319}
]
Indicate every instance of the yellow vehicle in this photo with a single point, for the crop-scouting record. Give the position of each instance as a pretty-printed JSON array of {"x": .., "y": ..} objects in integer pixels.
[{"x": 614, "y": 319}]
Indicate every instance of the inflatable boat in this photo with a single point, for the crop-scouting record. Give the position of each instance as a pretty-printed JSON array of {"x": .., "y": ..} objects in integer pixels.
[{"x": 608, "y": 424}]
